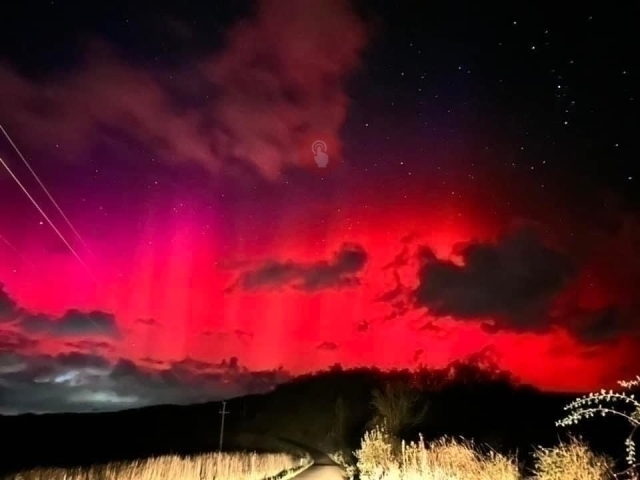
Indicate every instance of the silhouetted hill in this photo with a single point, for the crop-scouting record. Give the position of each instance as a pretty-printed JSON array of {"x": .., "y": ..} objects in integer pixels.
[{"x": 473, "y": 403}]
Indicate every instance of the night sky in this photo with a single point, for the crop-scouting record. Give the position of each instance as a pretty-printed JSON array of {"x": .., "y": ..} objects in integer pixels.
[{"x": 480, "y": 199}]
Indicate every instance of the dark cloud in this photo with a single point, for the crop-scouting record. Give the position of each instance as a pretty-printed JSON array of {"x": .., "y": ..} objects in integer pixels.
[
  {"x": 190, "y": 364},
  {"x": 153, "y": 361},
  {"x": 399, "y": 307},
  {"x": 431, "y": 327},
  {"x": 363, "y": 326},
  {"x": 402, "y": 259},
  {"x": 398, "y": 297},
  {"x": 241, "y": 335},
  {"x": 272, "y": 274},
  {"x": 330, "y": 346},
  {"x": 491, "y": 327},
  {"x": 417, "y": 355},
  {"x": 393, "y": 294},
  {"x": 78, "y": 328},
  {"x": 17, "y": 341},
  {"x": 73, "y": 323},
  {"x": 231, "y": 363},
  {"x": 401, "y": 297},
  {"x": 252, "y": 103},
  {"x": 340, "y": 271},
  {"x": 11, "y": 363},
  {"x": 148, "y": 322},
  {"x": 8, "y": 307},
  {"x": 90, "y": 345},
  {"x": 610, "y": 258},
  {"x": 600, "y": 325},
  {"x": 78, "y": 382},
  {"x": 512, "y": 282},
  {"x": 81, "y": 360},
  {"x": 124, "y": 368},
  {"x": 410, "y": 237}
]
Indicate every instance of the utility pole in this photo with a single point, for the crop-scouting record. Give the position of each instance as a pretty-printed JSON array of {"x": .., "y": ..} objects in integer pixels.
[{"x": 223, "y": 412}]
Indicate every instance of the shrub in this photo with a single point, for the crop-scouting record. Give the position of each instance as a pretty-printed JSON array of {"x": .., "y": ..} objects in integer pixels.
[
  {"x": 571, "y": 461},
  {"x": 376, "y": 456},
  {"x": 345, "y": 460},
  {"x": 609, "y": 403}
]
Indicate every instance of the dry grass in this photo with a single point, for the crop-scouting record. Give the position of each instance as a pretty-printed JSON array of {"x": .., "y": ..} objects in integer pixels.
[
  {"x": 571, "y": 461},
  {"x": 453, "y": 459},
  {"x": 381, "y": 457},
  {"x": 215, "y": 466}
]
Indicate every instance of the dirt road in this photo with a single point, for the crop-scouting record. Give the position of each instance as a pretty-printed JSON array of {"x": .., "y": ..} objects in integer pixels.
[{"x": 323, "y": 467}]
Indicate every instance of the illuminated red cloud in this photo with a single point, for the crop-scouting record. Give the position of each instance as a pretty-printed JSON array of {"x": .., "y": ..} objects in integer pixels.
[
  {"x": 178, "y": 291},
  {"x": 259, "y": 99}
]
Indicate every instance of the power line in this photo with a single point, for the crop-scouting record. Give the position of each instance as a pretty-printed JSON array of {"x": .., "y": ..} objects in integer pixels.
[
  {"x": 46, "y": 217},
  {"x": 15, "y": 250},
  {"x": 223, "y": 412},
  {"x": 35, "y": 203},
  {"x": 75, "y": 254},
  {"x": 22, "y": 157},
  {"x": 9, "y": 244}
]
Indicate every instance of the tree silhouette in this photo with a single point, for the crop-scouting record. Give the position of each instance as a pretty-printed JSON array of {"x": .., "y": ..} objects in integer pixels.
[
  {"x": 341, "y": 417},
  {"x": 398, "y": 406}
]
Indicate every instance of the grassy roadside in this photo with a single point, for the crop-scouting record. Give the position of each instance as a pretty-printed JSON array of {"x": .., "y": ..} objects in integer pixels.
[{"x": 274, "y": 461}]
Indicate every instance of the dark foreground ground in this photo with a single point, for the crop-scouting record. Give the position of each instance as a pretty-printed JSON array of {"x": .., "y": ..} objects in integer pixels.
[{"x": 327, "y": 411}]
